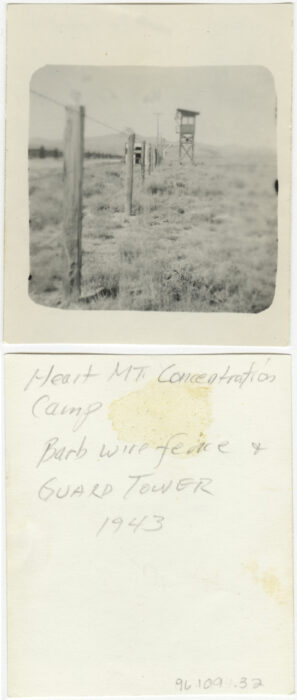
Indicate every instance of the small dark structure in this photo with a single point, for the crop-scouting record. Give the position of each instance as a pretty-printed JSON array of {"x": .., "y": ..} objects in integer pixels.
[
  {"x": 137, "y": 152},
  {"x": 186, "y": 123}
]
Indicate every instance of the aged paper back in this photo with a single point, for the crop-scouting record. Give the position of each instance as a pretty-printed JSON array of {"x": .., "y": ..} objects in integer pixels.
[{"x": 149, "y": 525}]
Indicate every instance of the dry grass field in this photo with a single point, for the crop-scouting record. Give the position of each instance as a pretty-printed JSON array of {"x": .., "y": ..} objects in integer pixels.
[{"x": 202, "y": 237}]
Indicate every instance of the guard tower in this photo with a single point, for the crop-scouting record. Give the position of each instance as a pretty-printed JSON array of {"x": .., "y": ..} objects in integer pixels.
[{"x": 185, "y": 127}]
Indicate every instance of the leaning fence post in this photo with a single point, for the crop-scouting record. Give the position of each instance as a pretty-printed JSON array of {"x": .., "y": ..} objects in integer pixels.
[
  {"x": 143, "y": 161},
  {"x": 72, "y": 214},
  {"x": 129, "y": 173}
]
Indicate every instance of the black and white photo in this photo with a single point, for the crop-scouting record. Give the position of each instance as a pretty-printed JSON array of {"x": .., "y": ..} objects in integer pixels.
[{"x": 153, "y": 189}]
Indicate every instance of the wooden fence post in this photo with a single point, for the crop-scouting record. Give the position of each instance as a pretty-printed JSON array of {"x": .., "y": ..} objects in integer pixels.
[
  {"x": 150, "y": 158},
  {"x": 72, "y": 214},
  {"x": 143, "y": 161},
  {"x": 129, "y": 173}
]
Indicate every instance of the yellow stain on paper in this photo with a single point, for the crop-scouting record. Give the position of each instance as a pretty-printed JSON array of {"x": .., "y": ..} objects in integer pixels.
[
  {"x": 269, "y": 582},
  {"x": 156, "y": 411}
]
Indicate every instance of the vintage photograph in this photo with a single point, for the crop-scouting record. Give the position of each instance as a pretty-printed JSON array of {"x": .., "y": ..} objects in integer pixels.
[{"x": 153, "y": 189}]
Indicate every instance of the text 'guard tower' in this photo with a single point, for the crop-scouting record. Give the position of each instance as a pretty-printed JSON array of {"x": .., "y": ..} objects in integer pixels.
[{"x": 186, "y": 122}]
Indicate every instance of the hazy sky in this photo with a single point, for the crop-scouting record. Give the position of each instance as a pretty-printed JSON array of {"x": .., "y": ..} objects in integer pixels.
[{"x": 237, "y": 104}]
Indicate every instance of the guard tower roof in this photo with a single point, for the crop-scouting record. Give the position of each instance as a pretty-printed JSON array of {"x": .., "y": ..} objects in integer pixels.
[{"x": 187, "y": 112}]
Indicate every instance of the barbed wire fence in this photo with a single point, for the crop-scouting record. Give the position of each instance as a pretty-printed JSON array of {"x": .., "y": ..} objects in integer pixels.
[{"x": 73, "y": 160}]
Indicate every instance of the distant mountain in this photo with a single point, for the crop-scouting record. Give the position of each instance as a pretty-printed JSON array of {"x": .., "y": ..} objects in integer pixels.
[{"x": 109, "y": 143}]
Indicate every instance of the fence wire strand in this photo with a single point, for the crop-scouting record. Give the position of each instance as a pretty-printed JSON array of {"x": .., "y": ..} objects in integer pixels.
[{"x": 88, "y": 117}]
